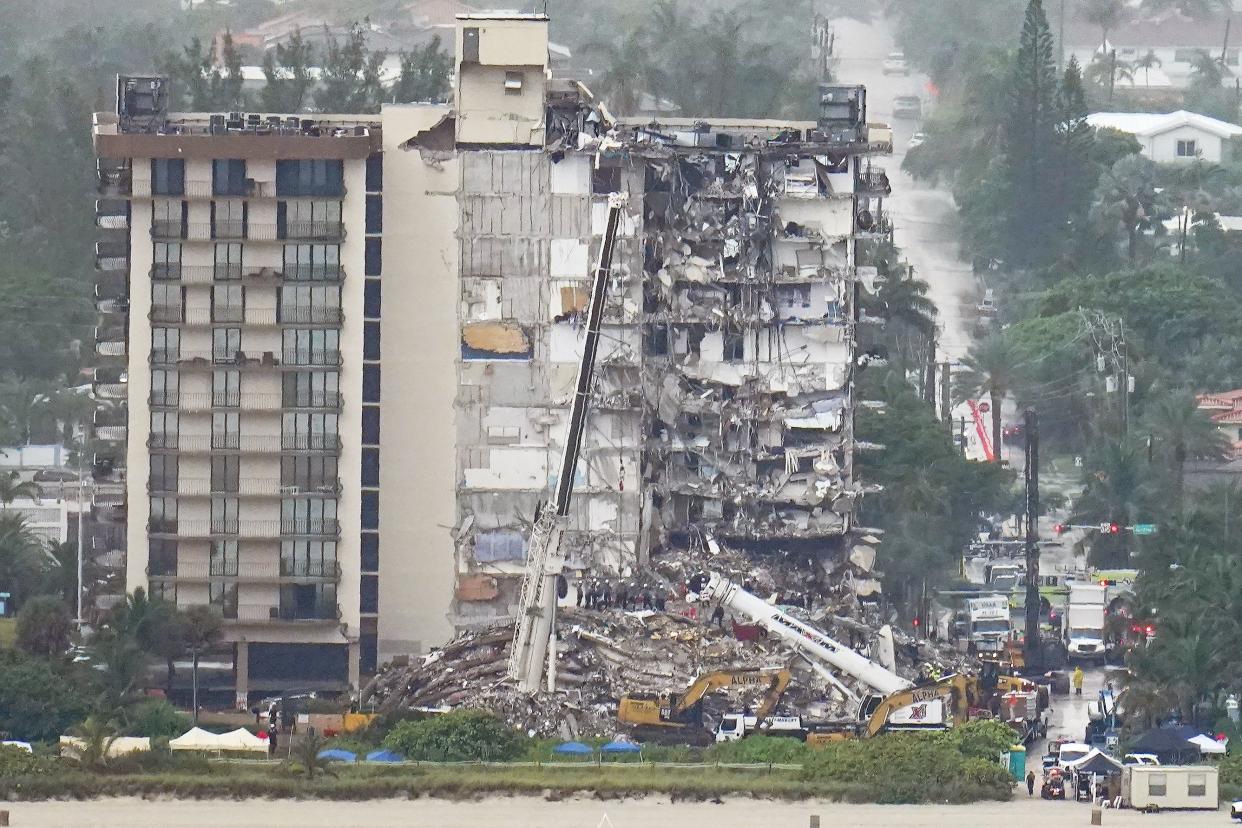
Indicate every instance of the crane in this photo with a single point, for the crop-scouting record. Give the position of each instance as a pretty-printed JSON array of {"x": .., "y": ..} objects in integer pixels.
[{"x": 545, "y": 560}]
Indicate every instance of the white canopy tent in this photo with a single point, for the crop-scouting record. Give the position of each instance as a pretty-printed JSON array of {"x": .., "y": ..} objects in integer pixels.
[
  {"x": 195, "y": 739},
  {"x": 1207, "y": 745},
  {"x": 242, "y": 740}
]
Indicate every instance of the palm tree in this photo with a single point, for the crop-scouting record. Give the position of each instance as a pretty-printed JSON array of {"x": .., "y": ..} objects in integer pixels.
[
  {"x": 1117, "y": 487},
  {"x": 21, "y": 561},
  {"x": 1107, "y": 14},
  {"x": 1184, "y": 431},
  {"x": 97, "y": 734},
  {"x": 990, "y": 368},
  {"x": 1207, "y": 72},
  {"x": 201, "y": 631},
  {"x": 12, "y": 487},
  {"x": 1148, "y": 62},
  {"x": 21, "y": 402},
  {"x": 307, "y": 751},
  {"x": 1105, "y": 71},
  {"x": 1126, "y": 199}
]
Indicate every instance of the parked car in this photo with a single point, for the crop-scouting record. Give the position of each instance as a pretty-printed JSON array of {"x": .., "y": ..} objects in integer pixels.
[
  {"x": 907, "y": 106},
  {"x": 895, "y": 64}
]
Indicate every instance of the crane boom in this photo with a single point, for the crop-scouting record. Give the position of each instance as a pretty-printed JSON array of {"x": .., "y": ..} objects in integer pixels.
[
  {"x": 716, "y": 589},
  {"x": 545, "y": 559}
]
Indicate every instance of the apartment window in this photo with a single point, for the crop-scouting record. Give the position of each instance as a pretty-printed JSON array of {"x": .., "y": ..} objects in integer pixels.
[
  {"x": 223, "y": 596},
  {"x": 371, "y": 340},
  {"x": 165, "y": 591},
  {"x": 164, "y": 429},
  {"x": 371, "y": 383},
  {"x": 311, "y": 389},
  {"x": 228, "y": 303},
  {"x": 225, "y": 432},
  {"x": 224, "y": 558},
  {"x": 312, "y": 262},
  {"x": 513, "y": 83},
  {"x": 1157, "y": 784},
  {"x": 310, "y": 178},
  {"x": 167, "y": 218},
  {"x": 304, "y": 303},
  {"x": 309, "y": 474},
  {"x": 309, "y": 430},
  {"x": 166, "y": 260},
  {"x": 228, "y": 261},
  {"x": 375, "y": 172},
  {"x": 1196, "y": 784},
  {"x": 162, "y": 557},
  {"x": 734, "y": 347},
  {"x": 370, "y": 510},
  {"x": 308, "y": 219},
  {"x": 225, "y": 473},
  {"x": 228, "y": 219},
  {"x": 164, "y": 515},
  {"x": 228, "y": 177},
  {"x": 370, "y": 425},
  {"x": 308, "y": 516},
  {"x": 371, "y": 299},
  {"x": 1187, "y": 148},
  {"x": 311, "y": 346},
  {"x": 167, "y": 302},
  {"x": 308, "y": 558},
  {"x": 163, "y": 473},
  {"x": 168, "y": 176},
  {"x": 368, "y": 594},
  {"x": 375, "y": 214},
  {"x": 225, "y": 344},
  {"x": 165, "y": 345},
  {"x": 369, "y": 552},
  {"x": 225, "y": 389},
  {"x": 373, "y": 252},
  {"x": 165, "y": 386},
  {"x": 370, "y": 467},
  {"x": 224, "y": 516},
  {"x": 605, "y": 180}
]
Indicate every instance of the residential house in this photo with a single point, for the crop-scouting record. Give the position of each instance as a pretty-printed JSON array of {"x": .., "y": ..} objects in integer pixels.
[
  {"x": 1174, "y": 137},
  {"x": 1175, "y": 40}
]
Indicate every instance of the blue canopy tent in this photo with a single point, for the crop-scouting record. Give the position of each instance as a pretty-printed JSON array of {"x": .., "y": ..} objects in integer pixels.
[
  {"x": 573, "y": 749},
  {"x": 338, "y": 755},
  {"x": 384, "y": 756},
  {"x": 619, "y": 746}
]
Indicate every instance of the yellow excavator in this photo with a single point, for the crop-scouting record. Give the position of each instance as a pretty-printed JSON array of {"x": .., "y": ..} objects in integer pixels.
[{"x": 680, "y": 715}]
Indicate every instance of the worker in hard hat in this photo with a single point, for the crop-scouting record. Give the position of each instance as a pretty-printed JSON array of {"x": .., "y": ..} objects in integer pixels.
[{"x": 1078, "y": 680}]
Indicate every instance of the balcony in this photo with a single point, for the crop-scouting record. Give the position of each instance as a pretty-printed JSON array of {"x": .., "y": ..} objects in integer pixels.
[
  {"x": 171, "y": 314},
  {"x": 168, "y": 229},
  {"x": 313, "y": 273},
  {"x": 203, "y": 486},
  {"x": 324, "y": 400},
  {"x": 326, "y": 527},
  {"x": 118, "y": 305},
  {"x": 307, "y": 315},
  {"x": 163, "y": 440},
  {"x": 258, "y": 571},
  {"x": 110, "y": 390},
  {"x": 261, "y": 529},
  {"x": 235, "y": 314},
  {"x": 112, "y": 214},
  {"x": 260, "y": 315},
  {"x": 164, "y": 399},
  {"x": 111, "y": 256},
  {"x": 314, "y": 358},
  {"x": 113, "y": 179},
  {"x": 313, "y": 231},
  {"x": 111, "y": 433},
  {"x": 166, "y": 271},
  {"x": 872, "y": 180},
  {"x": 228, "y": 441},
  {"x": 319, "y": 612},
  {"x": 231, "y": 229},
  {"x": 210, "y": 360},
  {"x": 310, "y": 442},
  {"x": 111, "y": 348}
]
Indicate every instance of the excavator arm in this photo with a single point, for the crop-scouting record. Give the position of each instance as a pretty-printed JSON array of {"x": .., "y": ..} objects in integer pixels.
[{"x": 777, "y": 681}]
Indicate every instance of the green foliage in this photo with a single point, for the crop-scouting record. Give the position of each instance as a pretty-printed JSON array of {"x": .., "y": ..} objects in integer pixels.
[
  {"x": 287, "y": 75},
  {"x": 983, "y": 739},
  {"x": 44, "y": 626},
  {"x": 351, "y": 75},
  {"x": 156, "y": 718},
  {"x": 202, "y": 80},
  {"x": 461, "y": 735},
  {"x": 39, "y": 701},
  {"x": 775, "y": 750},
  {"x": 15, "y": 762},
  {"x": 425, "y": 74},
  {"x": 306, "y": 758}
]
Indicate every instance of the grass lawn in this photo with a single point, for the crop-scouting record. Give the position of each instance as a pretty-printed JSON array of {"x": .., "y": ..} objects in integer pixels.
[{"x": 8, "y": 633}]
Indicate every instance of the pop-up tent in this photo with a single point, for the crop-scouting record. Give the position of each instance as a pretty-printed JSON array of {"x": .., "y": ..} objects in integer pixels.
[
  {"x": 573, "y": 749},
  {"x": 195, "y": 739},
  {"x": 386, "y": 756},
  {"x": 621, "y": 746},
  {"x": 241, "y": 740},
  {"x": 1207, "y": 745},
  {"x": 339, "y": 755},
  {"x": 1097, "y": 763}
]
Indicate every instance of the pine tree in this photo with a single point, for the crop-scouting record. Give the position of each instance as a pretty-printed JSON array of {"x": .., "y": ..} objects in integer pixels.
[
  {"x": 1031, "y": 145},
  {"x": 1076, "y": 173}
]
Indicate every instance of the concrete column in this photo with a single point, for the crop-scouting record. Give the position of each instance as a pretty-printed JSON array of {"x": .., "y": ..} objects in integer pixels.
[
  {"x": 241, "y": 666},
  {"x": 355, "y": 653}
]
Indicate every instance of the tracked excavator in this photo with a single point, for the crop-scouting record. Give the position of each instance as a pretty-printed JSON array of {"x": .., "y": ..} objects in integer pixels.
[
  {"x": 894, "y": 703},
  {"x": 679, "y": 716}
]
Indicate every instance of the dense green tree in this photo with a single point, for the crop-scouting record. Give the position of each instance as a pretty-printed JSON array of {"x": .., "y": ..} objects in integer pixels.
[
  {"x": 425, "y": 74},
  {"x": 39, "y": 699},
  {"x": 351, "y": 74},
  {"x": 44, "y": 626},
  {"x": 203, "y": 80},
  {"x": 1127, "y": 203},
  {"x": 628, "y": 70},
  {"x": 287, "y": 75},
  {"x": 1182, "y": 431},
  {"x": 21, "y": 560},
  {"x": 1118, "y": 487}
]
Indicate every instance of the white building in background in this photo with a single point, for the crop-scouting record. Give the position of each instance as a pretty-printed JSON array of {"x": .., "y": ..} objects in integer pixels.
[{"x": 1174, "y": 137}]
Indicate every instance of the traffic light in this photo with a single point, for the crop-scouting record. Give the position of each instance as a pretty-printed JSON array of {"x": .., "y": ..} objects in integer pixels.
[
  {"x": 1060, "y": 528},
  {"x": 915, "y": 622},
  {"x": 1114, "y": 528}
]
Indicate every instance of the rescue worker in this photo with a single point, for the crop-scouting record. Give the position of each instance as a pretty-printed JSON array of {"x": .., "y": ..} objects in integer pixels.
[{"x": 1078, "y": 680}]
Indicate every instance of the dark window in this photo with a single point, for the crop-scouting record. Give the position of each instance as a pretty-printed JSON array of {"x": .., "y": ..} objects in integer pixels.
[
  {"x": 370, "y": 467},
  {"x": 375, "y": 172},
  {"x": 163, "y": 557},
  {"x": 605, "y": 180},
  {"x": 734, "y": 347},
  {"x": 167, "y": 176},
  {"x": 470, "y": 44},
  {"x": 368, "y": 653},
  {"x": 371, "y": 299},
  {"x": 371, "y": 383},
  {"x": 370, "y": 510},
  {"x": 368, "y": 594},
  {"x": 375, "y": 214},
  {"x": 310, "y": 178},
  {"x": 371, "y": 340},
  {"x": 374, "y": 257},
  {"x": 228, "y": 177},
  {"x": 370, "y": 425},
  {"x": 370, "y": 552}
]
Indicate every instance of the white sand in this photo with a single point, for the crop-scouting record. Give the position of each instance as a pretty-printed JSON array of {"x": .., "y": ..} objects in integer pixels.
[{"x": 505, "y": 812}]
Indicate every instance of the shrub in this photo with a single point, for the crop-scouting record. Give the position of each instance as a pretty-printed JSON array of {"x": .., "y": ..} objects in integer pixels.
[
  {"x": 17, "y": 762},
  {"x": 982, "y": 739},
  {"x": 37, "y": 702},
  {"x": 43, "y": 626},
  {"x": 156, "y": 718},
  {"x": 761, "y": 750},
  {"x": 458, "y": 736}
]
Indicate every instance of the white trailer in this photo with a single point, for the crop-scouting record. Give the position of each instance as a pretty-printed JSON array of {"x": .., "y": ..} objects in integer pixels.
[{"x": 1167, "y": 787}]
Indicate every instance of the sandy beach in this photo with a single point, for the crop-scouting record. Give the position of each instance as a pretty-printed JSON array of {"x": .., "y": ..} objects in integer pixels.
[{"x": 507, "y": 812}]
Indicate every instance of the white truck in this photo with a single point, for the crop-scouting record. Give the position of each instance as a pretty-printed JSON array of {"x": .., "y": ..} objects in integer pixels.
[
  {"x": 1084, "y": 622},
  {"x": 989, "y": 624}
]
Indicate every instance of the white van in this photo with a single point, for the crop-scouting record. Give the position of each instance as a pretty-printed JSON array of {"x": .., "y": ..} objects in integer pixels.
[{"x": 1163, "y": 787}]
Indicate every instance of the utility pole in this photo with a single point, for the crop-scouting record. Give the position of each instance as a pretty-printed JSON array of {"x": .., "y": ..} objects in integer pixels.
[
  {"x": 929, "y": 375},
  {"x": 83, "y": 499},
  {"x": 1034, "y": 651},
  {"x": 946, "y": 406}
]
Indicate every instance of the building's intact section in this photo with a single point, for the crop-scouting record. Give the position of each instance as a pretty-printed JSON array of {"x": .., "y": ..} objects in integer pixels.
[{"x": 241, "y": 273}]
